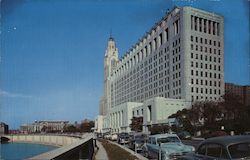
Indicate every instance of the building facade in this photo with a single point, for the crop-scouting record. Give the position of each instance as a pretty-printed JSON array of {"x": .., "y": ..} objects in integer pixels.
[
  {"x": 44, "y": 126},
  {"x": 4, "y": 128},
  {"x": 180, "y": 59},
  {"x": 243, "y": 92}
]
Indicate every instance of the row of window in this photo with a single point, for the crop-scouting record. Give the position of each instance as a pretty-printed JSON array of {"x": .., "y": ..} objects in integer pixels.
[
  {"x": 205, "y": 91},
  {"x": 206, "y": 82},
  {"x": 207, "y": 66},
  {"x": 206, "y": 49},
  {"x": 206, "y": 74},
  {"x": 200, "y": 40},
  {"x": 206, "y": 57},
  {"x": 138, "y": 112},
  {"x": 200, "y": 97},
  {"x": 205, "y": 25},
  {"x": 152, "y": 46}
]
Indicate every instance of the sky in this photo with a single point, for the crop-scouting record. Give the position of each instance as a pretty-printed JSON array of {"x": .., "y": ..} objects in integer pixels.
[{"x": 52, "y": 51}]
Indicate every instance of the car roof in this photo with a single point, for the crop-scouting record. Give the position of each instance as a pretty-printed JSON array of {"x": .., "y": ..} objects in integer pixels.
[
  {"x": 163, "y": 135},
  {"x": 228, "y": 140}
]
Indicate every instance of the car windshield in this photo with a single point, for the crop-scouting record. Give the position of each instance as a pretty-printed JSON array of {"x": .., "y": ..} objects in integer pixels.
[
  {"x": 139, "y": 140},
  {"x": 168, "y": 139},
  {"x": 240, "y": 150}
]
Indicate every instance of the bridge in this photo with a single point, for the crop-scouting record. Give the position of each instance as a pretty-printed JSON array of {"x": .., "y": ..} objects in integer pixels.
[{"x": 70, "y": 146}]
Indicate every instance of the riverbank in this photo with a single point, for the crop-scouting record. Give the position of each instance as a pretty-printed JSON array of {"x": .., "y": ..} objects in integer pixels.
[{"x": 20, "y": 151}]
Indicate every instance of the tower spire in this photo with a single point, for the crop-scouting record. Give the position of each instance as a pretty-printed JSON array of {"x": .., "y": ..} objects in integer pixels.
[{"x": 110, "y": 35}]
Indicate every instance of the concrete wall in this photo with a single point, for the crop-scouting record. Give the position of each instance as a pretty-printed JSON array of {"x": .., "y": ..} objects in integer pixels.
[{"x": 56, "y": 140}]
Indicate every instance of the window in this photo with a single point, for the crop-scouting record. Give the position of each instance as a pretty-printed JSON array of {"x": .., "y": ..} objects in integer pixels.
[
  {"x": 160, "y": 39},
  {"x": 218, "y": 29},
  {"x": 192, "y": 38},
  {"x": 153, "y": 141},
  {"x": 155, "y": 44},
  {"x": 195, "y": 23},
  {"x": 192, "y": 17},
  {"x": 205, "y": 25},
  {"x": 176, "y": 27},
  {"x": 166, "y": 34},
  {"x": 216, "y": 150}
]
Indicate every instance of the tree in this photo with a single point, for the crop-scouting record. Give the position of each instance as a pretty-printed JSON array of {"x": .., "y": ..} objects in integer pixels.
[
  {"x": 159, "y": 128},
  {"x": 136, "y": 124},
  {"x": 87, "y": 125},
  {"x": 183, "y": 118},
  {"x": 70, "y": 128}
]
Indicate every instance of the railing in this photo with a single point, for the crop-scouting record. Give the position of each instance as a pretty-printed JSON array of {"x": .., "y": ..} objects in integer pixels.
[{"x": 82, "y": 149}]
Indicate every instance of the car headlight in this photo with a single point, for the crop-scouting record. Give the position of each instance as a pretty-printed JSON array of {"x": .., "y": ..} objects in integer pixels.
[
  {"x": 192, "y": 149},
  {"x": 165, "y": 155}
]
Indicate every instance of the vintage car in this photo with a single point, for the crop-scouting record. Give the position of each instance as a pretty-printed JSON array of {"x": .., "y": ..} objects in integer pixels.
[
  {"x": 113, "y": 137},
  {"x": 222, "y": 148},
  {"x": 165, "y": 146},
  {"x": 123, "y": 138},
  {"x": 136, "y": 141}
]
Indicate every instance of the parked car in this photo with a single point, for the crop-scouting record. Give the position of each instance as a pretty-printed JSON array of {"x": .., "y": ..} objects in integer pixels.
[
  {"x": 114, "y": 137},
  {"x": 221, "y": 148},
  {"x": 246, "y": 133},
  {"x": 123, "y": 138},
  {"x": 165, "y": 146},
  {"x": 107, "y": 136},
  {"x": 136, "y": 141}
]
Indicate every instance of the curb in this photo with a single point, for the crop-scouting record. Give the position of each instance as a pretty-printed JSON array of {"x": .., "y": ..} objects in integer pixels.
[{"x": 140, "y": 157}]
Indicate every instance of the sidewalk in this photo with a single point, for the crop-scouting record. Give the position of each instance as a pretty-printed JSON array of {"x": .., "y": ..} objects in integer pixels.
[
  {"x": 101, "y": 152},
  {"x": 140, "y": 157}
]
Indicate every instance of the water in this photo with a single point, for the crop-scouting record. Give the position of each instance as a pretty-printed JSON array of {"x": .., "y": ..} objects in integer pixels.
[{"x": 20, "y": 151}]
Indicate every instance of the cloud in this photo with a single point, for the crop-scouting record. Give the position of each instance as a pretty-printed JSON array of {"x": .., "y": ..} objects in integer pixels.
[{"x": 13, "y": 95}]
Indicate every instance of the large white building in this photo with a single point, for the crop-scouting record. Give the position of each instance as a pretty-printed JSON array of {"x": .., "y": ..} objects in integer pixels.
[{"x": 179, "y": 61}]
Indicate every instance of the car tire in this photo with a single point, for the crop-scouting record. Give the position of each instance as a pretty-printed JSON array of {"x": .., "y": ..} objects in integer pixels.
[{"x": 145, "y": 153}]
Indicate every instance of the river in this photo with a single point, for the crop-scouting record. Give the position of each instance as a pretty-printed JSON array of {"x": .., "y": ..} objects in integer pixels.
[{"x": 20, "y": 151}]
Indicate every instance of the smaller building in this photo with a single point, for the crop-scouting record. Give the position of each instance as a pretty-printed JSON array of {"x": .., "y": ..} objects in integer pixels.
[
  {"x": 98, "y": 124},
  {"x": 243, "y": 92},
  {"x": 44, "y": 126},
  {"x": 4, "y": 128},
  {"x": 157, "y": 110},
  {"x": 154, "y": 111}
]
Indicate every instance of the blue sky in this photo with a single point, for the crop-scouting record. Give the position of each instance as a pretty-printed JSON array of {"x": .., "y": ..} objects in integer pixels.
[{"x": 52, "y": 51}]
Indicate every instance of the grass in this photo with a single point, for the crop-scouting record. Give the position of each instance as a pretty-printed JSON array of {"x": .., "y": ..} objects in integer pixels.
[{"x": 115, "y": 152}]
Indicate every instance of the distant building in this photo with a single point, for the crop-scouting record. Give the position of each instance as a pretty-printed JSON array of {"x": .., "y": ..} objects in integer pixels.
[
  {"x": 179, "y": 61},
  {"x": 243, "y": 92},
  {"x": 4, "y": 128},
  {"x": 98, "y": 124},
  {"x": 44, "y": 126}
]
